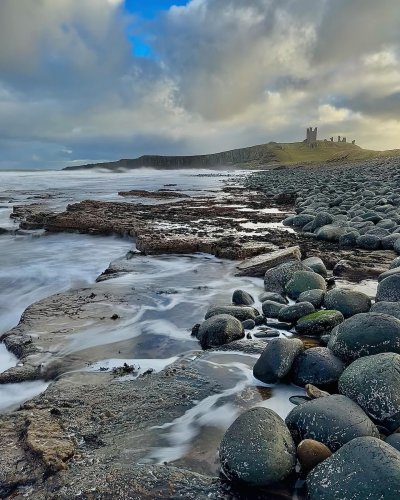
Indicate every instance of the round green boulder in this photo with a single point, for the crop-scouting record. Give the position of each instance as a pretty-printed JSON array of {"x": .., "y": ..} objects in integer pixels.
[
  {"x": 365, "y": 334},
  {"x": 348, "y": 302},
  {"x": 373, "y": 382},
  {"x": 364, "y": 468},
  {"x": 319, "y": 323},
  {"x": 303, "y": 281},
  {"x": 331, "y": 420},
  {"x": 257, "y": 449}
]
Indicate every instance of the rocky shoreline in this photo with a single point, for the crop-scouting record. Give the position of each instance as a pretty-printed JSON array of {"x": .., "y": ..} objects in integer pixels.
[{"x": 86, "y": 435}]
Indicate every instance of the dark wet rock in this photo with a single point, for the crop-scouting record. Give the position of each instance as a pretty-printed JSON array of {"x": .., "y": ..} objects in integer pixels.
[
  {"x": 317, "y": 366},
  {"x": 391, "y": 308},
  {"x": 275, "y": 279},
  {"x": 276, "y": 360},
  {"x": 373, "y": 382},
  {"x": 369, "y": 242},
  {"x": 394, "y": 440},
  {"x": 242, "y": 298},
  {"x": 292, "y": 313},
  {"x": 257, "y": 449},
  {"x": 331, "y": 232},
  {"x": 271, "y": 309},
  {"x": 298, "y": 220},
  {"x": 319, "y": 323},
  {"x": 275, "y": 297},
  {"x": 395, "y": 263},
  {"x": 364, "y": 335},
  {"x": 317, "y": 265},
  {"x": 363, "y": 468},
  {"x": 324, "y": 340},
  {"x": 311, "y": 453},
  {"x": 333, "y": 421},
  {"x": 387, "y": 274},
  {"x": 321, "y": 219},
  {"x": 257, "y": 266},
  {"x": 389, "y": 289},
  {"x": 259, "y": 320},
  {"x": 218, "y": 330},
  {"x": 389, "y": 241},
  {"x": 303, "y": 281},
  {"x": 248, "y": 324},
  {"x": 299, "y": 400},
  {"x": 348, "y": 302},
  {"x": 349, "y": 240},
  {"x": 240, "y": 313},
  {"x": 315, "y": 297},
  {"x": 267, "y": 334}
]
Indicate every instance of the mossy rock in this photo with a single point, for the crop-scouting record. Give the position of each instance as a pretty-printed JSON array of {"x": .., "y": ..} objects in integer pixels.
[{"x": 319, "y": 322}]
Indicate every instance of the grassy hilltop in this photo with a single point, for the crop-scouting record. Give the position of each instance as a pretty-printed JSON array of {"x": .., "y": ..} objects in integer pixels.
[{"x": 264, "y": 155}]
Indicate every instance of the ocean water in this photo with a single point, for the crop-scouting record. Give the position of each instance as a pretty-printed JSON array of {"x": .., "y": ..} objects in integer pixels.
[{"x": 152, "y": 333}]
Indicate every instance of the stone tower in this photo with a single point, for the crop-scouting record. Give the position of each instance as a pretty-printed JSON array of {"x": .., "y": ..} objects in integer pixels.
[{"x": 311, "y": 139}]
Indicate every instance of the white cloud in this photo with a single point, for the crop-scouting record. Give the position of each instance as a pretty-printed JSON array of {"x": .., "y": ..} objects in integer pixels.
[{"x": 227, "y": 73}]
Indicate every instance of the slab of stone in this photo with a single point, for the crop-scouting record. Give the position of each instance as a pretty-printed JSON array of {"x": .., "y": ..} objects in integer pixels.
[{"x": 257, "y": 266}]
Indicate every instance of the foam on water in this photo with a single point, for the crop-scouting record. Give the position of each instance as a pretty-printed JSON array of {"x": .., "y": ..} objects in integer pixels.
[
  {"x": 13, "y": 395},
  {"x": 32, "y": 268},
  {"x": 7, "y": 359},
  {"x": 218, "y": 410},
  {"x": 140, "y": 365}
]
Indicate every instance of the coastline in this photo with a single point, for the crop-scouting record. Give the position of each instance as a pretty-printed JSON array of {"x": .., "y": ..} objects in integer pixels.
[{"x": 101, "y": 409}]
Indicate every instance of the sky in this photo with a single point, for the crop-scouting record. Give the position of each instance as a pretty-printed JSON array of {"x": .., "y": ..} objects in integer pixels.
[{"x": 97, "y": 80}]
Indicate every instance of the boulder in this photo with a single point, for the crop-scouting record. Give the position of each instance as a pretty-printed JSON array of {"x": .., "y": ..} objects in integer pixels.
[
  {"x": 365, "y": 334},
  {"x": 311, "y": 453},
  {"x": 349, "y": 239},
  {"x": 390, "y": 272},
  {"x": 275, "y": 279},
  {"x": 240, "y": 313},
  {"x": 330, "y": 232},
  {"x": 369, "y": 242},
  {"x": 395, "y": 263},
  {"x": 389, "y": 289},
  {"x": 303, "y": 281},
  {"x": 219, "y": 330},
  {"x": 319, "y": 323},
  {"x": 333, "y": 421},
  {"x": 242, "y": 298},
  {"x": 317, "y": 265},
  {"x": 394, "y": 440},
  {"x": 271, "y": 309},
  {"x": 321, "y": 219},
  {"x": 317, "y": 366},
  {"x": 390, "y": 308},
  {"x": 315, "y": 297},
  {"x": 257, "y": 449},
  {"x": 348, "y": 302},
  {"x": 249, "y": 324},
  {"x": 373, "y": 382},
  {"x": 257, "y": 266},
  {"x": 275, "y": 297},
  {"x": 364, "y": 468},
  {"x": 389, "y": 241},
  {"x": 276, "y": 360},
  {"x": 292, "y": 313}
]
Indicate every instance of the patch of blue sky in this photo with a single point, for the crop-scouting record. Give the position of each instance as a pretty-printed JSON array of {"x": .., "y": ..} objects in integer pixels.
[
  {"x": 145, "y": 10},
  {"x": 150, "y": 8}
]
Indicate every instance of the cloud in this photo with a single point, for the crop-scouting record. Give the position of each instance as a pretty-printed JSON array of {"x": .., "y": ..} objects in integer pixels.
[{"x": 222, "y": 74}]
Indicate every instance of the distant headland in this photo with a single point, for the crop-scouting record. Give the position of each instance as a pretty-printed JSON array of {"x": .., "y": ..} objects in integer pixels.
[{"x": 269, "y": 155}]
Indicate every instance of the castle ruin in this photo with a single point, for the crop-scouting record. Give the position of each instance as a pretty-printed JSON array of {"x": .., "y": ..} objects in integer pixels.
[{"x": 311, "y": 138}]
